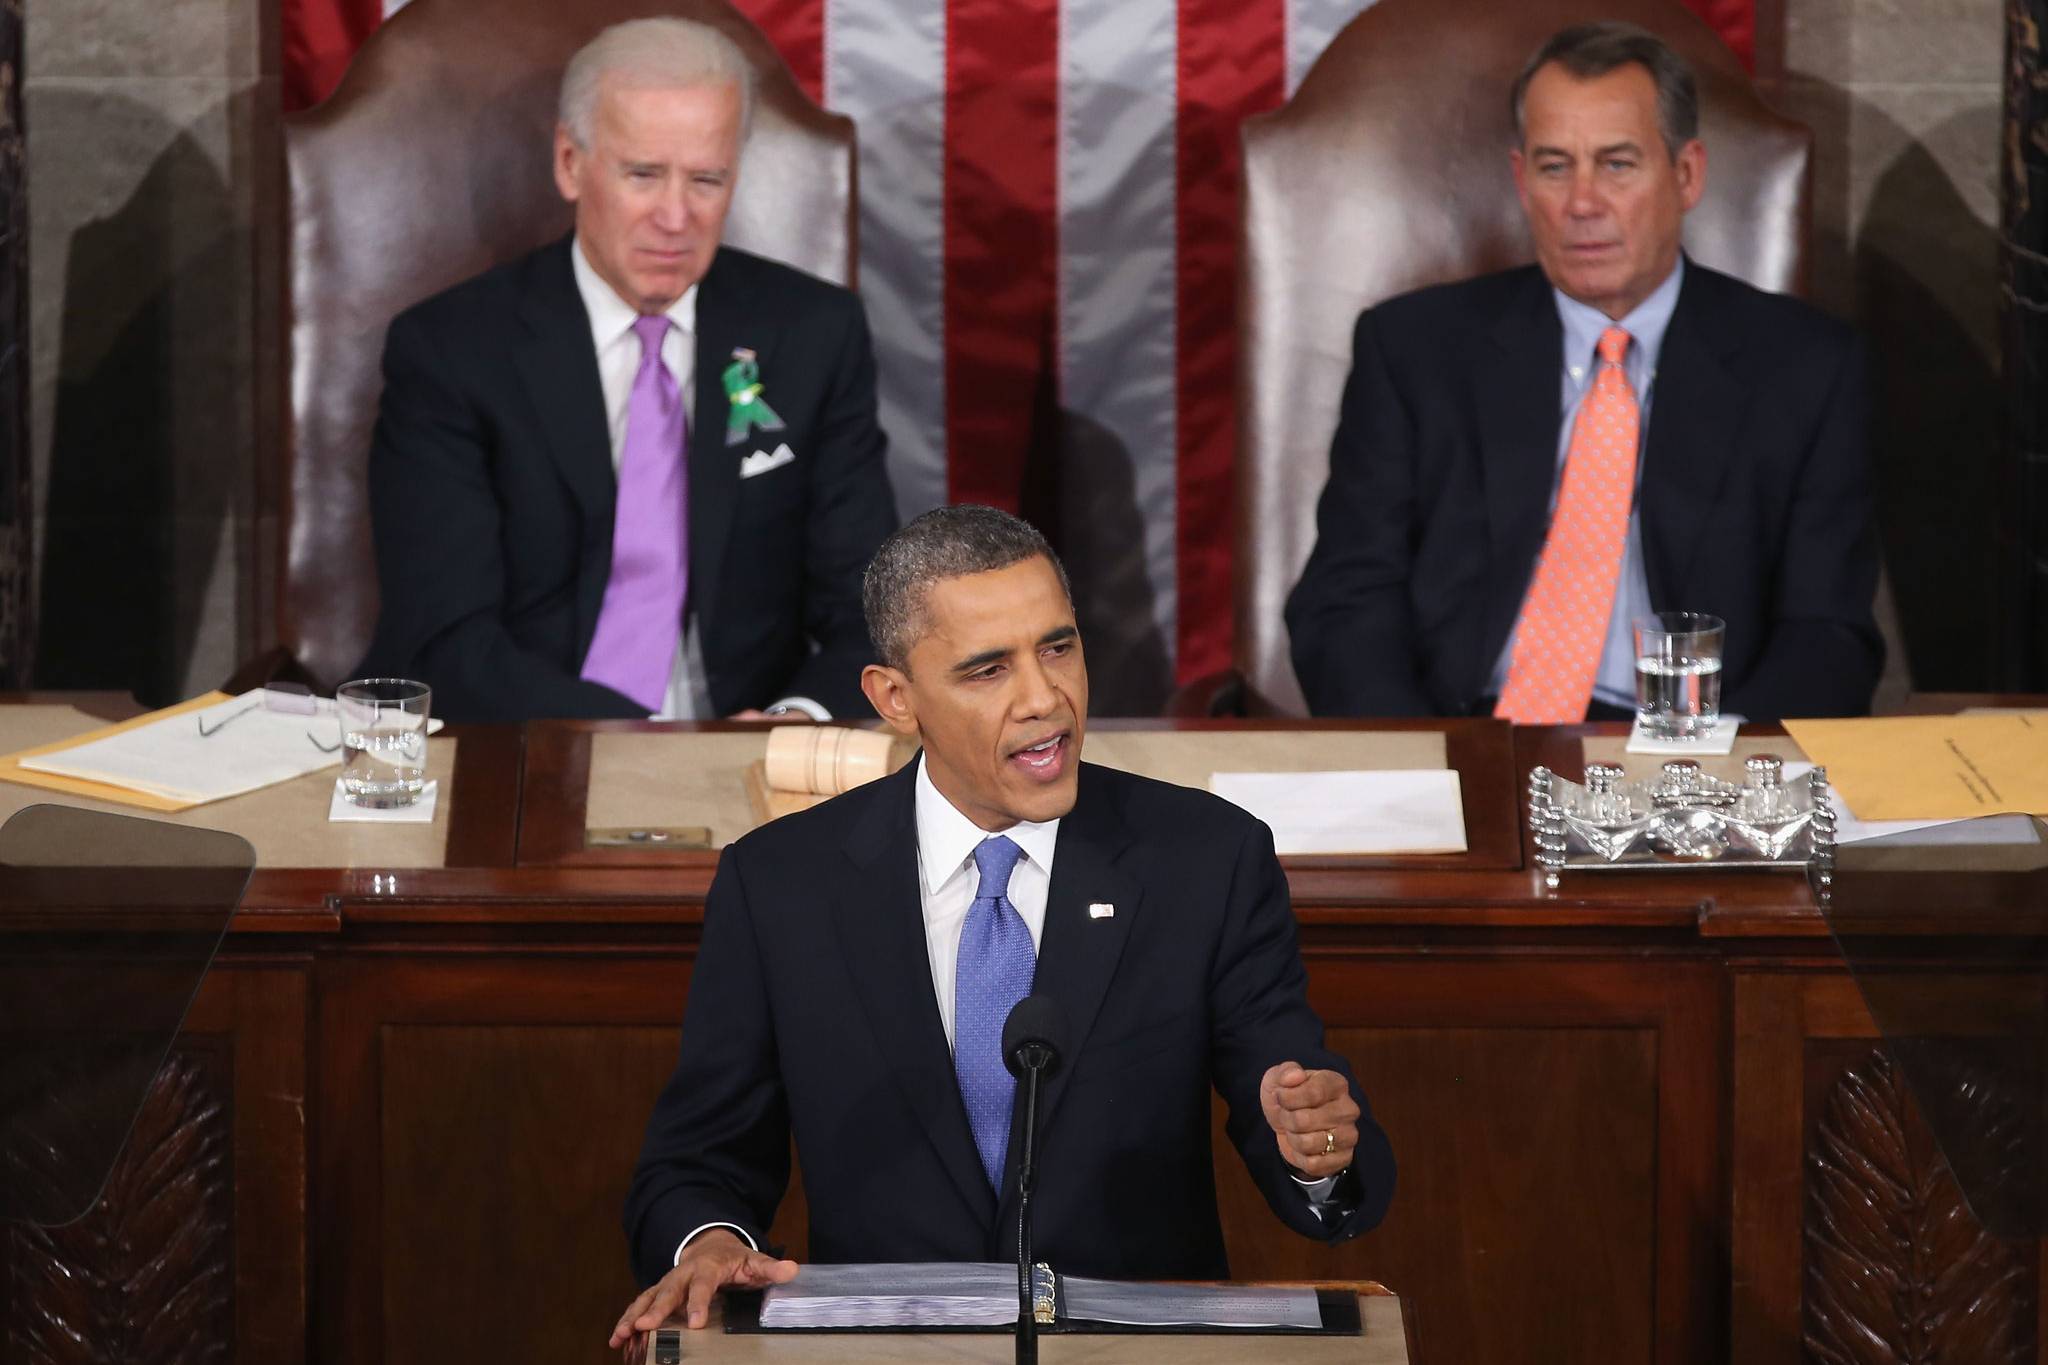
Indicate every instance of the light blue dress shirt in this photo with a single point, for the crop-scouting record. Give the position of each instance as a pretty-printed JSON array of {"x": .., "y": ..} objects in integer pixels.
[{"x": 1615, "y": 683}]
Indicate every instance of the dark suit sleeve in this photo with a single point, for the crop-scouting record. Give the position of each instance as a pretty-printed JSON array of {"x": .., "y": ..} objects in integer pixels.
[
  {"x": 435, "y": 521},
  {"x": 1823, "y": 653},
  {"x": 1349, "y": 620},
  {"x": 717, "y": 1146},
  {"x": 851, "y": 511},
  {"x": 1262, "y": 1018}
]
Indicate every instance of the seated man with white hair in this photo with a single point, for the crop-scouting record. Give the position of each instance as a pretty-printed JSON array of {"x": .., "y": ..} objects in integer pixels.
[{"x": 633, "y": 473}]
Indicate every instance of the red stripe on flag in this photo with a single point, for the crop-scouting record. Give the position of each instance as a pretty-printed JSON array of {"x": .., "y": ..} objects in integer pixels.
[
  {"x": 797, "y": 28},
  {"x": 1233, "y": 62},
  {"x": 1001, "y": 237},
  {"x": 319, "y": 37}
]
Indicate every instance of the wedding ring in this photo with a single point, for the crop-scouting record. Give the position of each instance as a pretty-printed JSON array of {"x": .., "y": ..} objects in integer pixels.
[{"x": 1329, "y": 1143}]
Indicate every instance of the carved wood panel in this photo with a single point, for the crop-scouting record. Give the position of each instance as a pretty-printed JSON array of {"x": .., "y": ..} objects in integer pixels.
[
  {"x": 1897, "y": 1269},
  {"x": 147, "y": 1276}
]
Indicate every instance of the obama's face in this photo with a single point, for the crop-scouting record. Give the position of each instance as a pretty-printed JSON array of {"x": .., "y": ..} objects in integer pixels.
[{"x": 996, "y": 690}]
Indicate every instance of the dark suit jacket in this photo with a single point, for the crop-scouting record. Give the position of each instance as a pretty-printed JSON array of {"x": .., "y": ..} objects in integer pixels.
[
  {"x": 492, "y": 494},
  {"x": 1755, "y": 498},
  {"x": 811, "y": 1009}
]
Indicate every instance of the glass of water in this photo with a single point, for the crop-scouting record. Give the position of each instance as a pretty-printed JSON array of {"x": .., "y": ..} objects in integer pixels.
[
  {"x": 1678, "y": 674},
  {"x": 383, "y": 740}
]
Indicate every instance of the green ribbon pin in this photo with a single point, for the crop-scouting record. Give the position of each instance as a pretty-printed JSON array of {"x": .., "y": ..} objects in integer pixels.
[{"x": 747, "y": 409}]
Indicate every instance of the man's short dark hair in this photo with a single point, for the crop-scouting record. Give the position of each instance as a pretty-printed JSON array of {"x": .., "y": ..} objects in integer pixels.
[
  {"x": 945, "y": 542},
  {"x": 1592, "y": 50}
]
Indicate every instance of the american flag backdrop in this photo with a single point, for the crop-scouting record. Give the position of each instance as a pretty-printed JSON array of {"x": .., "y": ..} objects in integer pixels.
[{"x": 1048, "y": 240}]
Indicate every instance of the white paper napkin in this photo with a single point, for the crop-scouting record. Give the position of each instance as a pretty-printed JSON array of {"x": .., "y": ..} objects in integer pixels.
[
  {"x": 1713, "y": 744},
  {"x": 420, "y": 812}
]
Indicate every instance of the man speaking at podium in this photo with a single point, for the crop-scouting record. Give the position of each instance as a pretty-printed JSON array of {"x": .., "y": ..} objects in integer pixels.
[{"x": 859, "y": 960}]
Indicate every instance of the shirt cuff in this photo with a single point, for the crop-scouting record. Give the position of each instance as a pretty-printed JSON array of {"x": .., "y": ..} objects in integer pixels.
[
  {"x": 1318, "y": 1192},
  {"x": 804, "y": 705},
  {"x": 698, "y": 1232}
]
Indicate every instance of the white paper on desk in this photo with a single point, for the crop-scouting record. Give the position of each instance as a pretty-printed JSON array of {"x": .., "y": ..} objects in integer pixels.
[
  {"x": 1396, "y": 811},
  {"x": 172, "y": 759}
]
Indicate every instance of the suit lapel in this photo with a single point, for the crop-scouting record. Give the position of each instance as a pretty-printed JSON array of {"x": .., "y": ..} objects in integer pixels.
[
  {"x": 557, "y": 362},
  {"x": 1696, "y": 407},
  {"x": 1078, "y": 952},
  {"x": 1517, "y": 402},
  {"x": 714, "y": 469},
  {"x": 881, "y": 934}
]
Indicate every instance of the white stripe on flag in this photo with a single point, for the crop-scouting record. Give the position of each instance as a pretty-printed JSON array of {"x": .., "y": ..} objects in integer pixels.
[
  {"x": 1116, "y": 337},
  {"x": 1310, "y": 26},
  {"x": 885, "y": 67}
]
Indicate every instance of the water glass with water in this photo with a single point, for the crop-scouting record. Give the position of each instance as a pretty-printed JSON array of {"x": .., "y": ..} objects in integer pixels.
[
  {"x": 383, "y": 740},
  {"x": 1678, "y": 674}
]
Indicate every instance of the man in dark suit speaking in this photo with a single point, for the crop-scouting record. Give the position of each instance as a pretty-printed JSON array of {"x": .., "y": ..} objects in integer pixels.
[
  {"x": 633, "y": 473},
  {"x": 859, "y": 960},
  {"x": 1500, "y": 502}
]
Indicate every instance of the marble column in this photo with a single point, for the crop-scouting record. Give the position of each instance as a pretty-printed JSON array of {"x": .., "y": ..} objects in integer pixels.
[
  {"x": 16, "y": 634},
  {"x": 2023, "y": 302},
  {"x": 153, "y": 213}
]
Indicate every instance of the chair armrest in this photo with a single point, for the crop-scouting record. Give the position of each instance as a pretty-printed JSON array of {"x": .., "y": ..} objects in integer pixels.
[{"x": 276, "y": 664}]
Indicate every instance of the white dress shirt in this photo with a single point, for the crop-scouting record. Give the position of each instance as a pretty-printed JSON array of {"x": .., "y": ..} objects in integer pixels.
[{"x": 947, "y": 879}]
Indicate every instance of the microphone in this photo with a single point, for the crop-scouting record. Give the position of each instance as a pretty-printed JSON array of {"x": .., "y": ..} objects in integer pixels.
[
  {"x": 1034, "y": 1037},
  {"x": 1034, "y": 1041}
]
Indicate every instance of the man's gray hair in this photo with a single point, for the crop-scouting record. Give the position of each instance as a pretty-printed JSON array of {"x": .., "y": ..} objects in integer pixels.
[
  {"x": 946, "y": 542},
  {"x": 652, "y": 54},
  {"x": 1591, "y": 50}
]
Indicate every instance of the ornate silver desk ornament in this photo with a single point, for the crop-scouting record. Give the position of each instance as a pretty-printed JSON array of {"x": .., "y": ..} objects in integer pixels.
[{"x": 1682, "y": 818}]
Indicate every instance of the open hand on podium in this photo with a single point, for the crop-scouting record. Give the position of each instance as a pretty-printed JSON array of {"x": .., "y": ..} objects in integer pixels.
[
  {"x": 714, "y": 1260},
  {"x": 1313, "y": 1118}
]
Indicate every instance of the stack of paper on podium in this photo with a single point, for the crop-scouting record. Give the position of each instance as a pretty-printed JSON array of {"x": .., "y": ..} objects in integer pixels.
[{"x": 941, "y": 1296}]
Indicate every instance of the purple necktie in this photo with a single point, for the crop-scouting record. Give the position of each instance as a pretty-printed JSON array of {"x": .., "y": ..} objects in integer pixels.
[{"x": 642, "y": 616}]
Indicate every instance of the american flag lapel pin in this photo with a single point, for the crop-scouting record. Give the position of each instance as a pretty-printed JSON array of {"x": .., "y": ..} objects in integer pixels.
[{"x": 1100, "y": 910}]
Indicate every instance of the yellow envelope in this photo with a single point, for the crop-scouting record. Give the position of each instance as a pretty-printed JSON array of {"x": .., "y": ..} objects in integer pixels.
[
  {"x": 1933, "y": 767},
  {"x": 12, "y": 771}
]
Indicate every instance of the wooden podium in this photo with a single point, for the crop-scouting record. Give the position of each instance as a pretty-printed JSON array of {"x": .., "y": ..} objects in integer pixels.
[{"x": 1385, "y": 1341}]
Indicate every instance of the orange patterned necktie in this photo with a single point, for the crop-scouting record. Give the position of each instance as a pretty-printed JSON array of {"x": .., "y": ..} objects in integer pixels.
[{"x": 1564, "y": 618}]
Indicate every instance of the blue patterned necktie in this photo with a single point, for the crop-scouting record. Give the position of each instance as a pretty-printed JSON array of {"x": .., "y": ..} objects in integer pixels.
[{"x": 992, "y": 973}]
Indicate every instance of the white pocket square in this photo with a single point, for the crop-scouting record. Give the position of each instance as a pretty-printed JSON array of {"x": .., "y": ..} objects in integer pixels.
[{"x": 760, "y": 462}]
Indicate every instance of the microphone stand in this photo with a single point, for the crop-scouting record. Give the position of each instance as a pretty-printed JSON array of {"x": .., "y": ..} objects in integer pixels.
[{"x": 1034, "y": 1058}]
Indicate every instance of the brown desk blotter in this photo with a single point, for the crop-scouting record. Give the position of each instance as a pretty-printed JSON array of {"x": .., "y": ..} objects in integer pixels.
[
  {"x": 681, "y": 780},
  {"x": 287, "y": 823},
  {"x": 1728, "y": 767}
]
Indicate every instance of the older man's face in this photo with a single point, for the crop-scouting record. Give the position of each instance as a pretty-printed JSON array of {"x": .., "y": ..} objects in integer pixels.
[
  {"x": 1606, "y": 200},
  {"x": 652, "y": 189},
  {"x": 997, "y": 692}
]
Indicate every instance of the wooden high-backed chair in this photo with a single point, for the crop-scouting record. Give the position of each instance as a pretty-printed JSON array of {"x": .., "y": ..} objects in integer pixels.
[
  {"x": 430, "y": 164},
  {"x": 1388, "y": 171}
]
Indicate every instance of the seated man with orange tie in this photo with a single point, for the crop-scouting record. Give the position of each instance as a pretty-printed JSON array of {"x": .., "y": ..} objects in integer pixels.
[
  {"x": 633, "y": 473},
  {"x": 1500, "y": 504}
]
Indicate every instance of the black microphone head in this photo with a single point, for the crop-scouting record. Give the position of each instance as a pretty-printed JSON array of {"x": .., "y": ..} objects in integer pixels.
[{"x": 1036, "y": 1025}]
